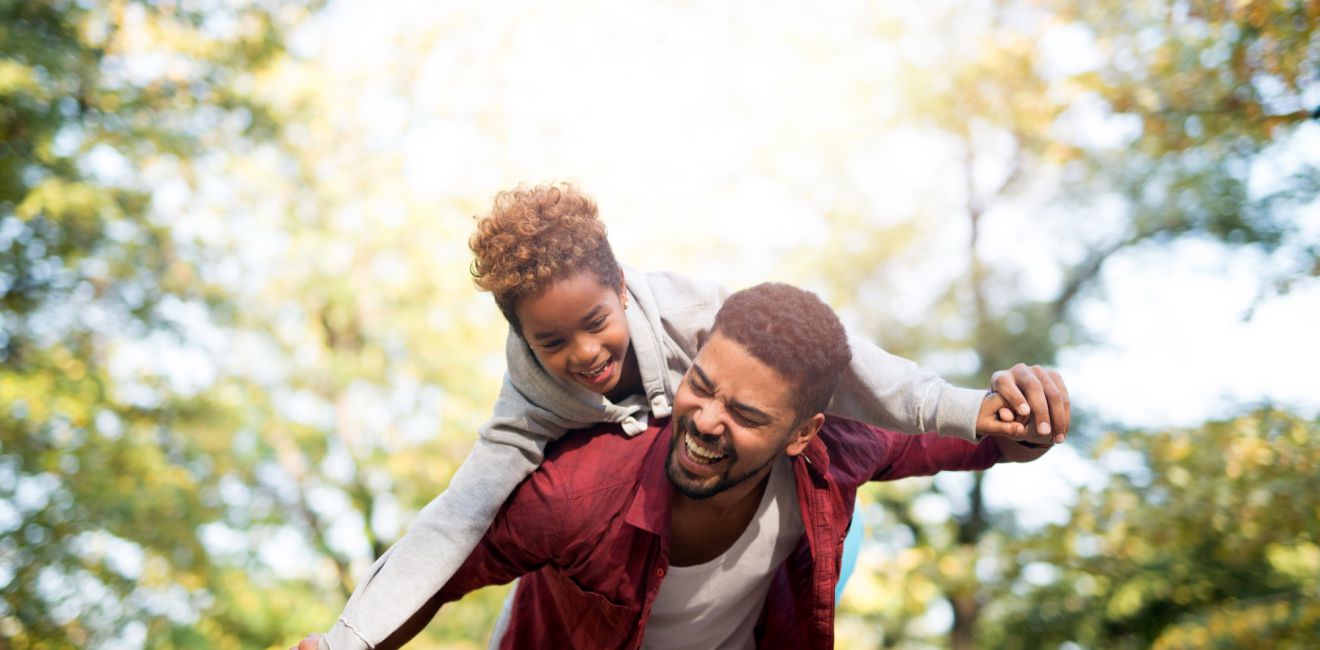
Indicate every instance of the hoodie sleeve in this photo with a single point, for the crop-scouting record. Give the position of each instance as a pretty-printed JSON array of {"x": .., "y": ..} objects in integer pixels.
[
  {"x": 891, "y": 392},
  {"x": 512, "y": 444},
  {"x": 878, "y": 388}
]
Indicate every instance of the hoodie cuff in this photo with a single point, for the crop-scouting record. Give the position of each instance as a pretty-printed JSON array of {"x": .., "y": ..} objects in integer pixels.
[
  {"x": 342, "y": 637},
  {"x": 956, "y": 411}
]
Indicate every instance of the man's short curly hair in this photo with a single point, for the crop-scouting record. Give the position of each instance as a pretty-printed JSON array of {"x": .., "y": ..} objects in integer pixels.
[
  {"x": 534, "y": 237},
  {"x": 794, "y": 332}
]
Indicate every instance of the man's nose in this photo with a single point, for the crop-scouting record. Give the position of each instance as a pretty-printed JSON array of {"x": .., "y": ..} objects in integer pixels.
[{"x": 708, "y": 419}]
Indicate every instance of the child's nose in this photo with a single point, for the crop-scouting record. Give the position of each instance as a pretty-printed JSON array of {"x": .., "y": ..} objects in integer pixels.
[{"x": 586, "y": 350}]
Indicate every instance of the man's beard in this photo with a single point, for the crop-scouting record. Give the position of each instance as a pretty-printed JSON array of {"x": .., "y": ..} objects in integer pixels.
[{"x": 678, "y": 479}]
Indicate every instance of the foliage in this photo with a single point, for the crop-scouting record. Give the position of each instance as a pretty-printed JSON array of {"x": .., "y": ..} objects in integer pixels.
[
  {"x": 1211, "y": 539},
  {"x": 239, "y": 349},
  {"x": 1117, "y": 126},
  {"x": 107, "y": 479},
  {"x": 389, "y": 358}
]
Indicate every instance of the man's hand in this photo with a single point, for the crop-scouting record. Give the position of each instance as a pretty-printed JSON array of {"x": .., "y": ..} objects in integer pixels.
[
  {"x": 312, "y": 642},
  {"x": 1011, "y": 450},
  {"x": 1027, "y": 400}
]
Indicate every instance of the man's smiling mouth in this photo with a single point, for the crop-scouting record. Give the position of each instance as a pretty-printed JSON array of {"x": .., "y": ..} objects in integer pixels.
[{"x": 700, "y": 454}]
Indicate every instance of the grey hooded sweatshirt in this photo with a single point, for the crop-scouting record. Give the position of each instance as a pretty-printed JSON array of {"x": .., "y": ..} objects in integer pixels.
[{"x": 669, "y": 317}]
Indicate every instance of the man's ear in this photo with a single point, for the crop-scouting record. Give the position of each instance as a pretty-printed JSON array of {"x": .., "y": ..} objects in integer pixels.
[{"x": 803, "y": 434}]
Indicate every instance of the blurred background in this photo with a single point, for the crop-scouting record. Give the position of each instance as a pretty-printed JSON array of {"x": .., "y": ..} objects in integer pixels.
[{"x": 241, "y": 347}]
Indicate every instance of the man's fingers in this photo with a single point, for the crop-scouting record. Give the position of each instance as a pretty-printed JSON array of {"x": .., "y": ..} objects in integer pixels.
[
  {"x": 1037, "y": 395},
  {"x": 1038, "y": 439},
  {"x": 1004, "y": 383},
  {"x": 1062, "y": 409},
  {"x": 1054, "y": 401},
  {"x": 1031, "y": 379}
]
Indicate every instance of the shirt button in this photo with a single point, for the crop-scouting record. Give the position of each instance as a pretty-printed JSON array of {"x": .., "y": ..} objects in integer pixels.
[{"x": 660, "y": 573}]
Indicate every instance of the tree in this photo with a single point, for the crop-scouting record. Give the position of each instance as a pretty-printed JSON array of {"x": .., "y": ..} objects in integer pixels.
[
  {"x": 109, "y": 476},
  {"x": 1210, "y": 540},
  {"x": 387, "y": 358},
  {"x": 1202, "y": 100}
]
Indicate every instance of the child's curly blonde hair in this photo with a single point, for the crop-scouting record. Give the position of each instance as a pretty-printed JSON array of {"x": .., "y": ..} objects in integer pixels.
[{"x": 534, "y": 237}]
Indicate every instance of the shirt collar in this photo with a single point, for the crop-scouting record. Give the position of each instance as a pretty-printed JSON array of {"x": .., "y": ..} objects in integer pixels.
[
  {"x": 651, "y": 503},
  {"x": 816, "y": 455}
]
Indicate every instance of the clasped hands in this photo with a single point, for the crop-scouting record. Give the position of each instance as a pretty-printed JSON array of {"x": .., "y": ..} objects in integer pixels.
[{"x": 1026, "y": 403}]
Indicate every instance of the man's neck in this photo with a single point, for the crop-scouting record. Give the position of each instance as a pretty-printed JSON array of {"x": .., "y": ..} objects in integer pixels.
[{"x": 702, "y": 530}]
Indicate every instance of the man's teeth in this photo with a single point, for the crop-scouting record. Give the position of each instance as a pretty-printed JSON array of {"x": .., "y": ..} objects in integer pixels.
[{"x": 701, "y": 454}]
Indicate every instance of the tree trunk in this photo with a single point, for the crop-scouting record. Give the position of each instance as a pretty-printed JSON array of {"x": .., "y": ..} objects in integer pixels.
[{"x": 963, "y": 598}]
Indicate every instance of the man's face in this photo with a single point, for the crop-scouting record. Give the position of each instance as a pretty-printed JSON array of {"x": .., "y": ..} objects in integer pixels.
[
  {"x": 733, "y": 416},
  {"x": 578, "y": 331}
]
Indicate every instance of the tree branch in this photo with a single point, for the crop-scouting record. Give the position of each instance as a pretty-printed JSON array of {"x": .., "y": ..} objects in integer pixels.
[{"x": 290, "y": 460}]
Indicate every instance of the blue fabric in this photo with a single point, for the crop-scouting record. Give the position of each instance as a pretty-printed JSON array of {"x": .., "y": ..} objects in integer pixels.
[{"x": 851, "y": 545}]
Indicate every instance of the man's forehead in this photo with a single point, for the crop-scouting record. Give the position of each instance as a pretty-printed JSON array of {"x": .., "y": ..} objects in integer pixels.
[{"x": 738, "y": 372}]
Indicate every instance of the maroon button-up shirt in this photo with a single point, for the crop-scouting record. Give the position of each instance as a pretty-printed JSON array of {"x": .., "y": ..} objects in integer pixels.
[{"x": 588, "y": 533}]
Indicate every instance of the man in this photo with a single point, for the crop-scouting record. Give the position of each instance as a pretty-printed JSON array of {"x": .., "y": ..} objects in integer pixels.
[{"x": 720, "y": 527}]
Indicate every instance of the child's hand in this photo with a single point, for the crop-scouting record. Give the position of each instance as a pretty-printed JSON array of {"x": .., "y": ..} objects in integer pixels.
[
  {"x": 311, "y": 642},
  {"x": 997, "y": 419},
  {"x": 1034, "y": 398}
]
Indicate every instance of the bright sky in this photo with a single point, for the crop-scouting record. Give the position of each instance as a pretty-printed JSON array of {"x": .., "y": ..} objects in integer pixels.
[{"x": 715, "y": 135}]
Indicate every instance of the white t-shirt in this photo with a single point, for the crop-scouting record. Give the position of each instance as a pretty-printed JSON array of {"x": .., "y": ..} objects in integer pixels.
[{"x": 716, "y": 604}]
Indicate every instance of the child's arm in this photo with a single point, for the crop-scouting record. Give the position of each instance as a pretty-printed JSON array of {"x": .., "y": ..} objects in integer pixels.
[
  {"x": 523, "y": 536},
  {"x": 446, "y": 531},
  {"x": 891, "y": 392},
  {"x": 878, "y": 388}
]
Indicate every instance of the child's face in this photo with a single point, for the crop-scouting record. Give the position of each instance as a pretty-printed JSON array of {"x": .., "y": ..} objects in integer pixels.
[{"x": 578, "y": 331}]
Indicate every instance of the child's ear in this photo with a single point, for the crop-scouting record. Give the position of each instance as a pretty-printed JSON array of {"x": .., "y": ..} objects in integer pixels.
[{"x": 623, "y": 294}]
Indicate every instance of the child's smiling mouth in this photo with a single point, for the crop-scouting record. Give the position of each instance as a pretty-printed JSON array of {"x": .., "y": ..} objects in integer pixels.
[{"x": 598, "y": 374}]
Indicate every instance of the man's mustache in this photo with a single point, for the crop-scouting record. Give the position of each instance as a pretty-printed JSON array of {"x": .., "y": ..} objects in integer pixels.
[{"x": 687, "y": 426}]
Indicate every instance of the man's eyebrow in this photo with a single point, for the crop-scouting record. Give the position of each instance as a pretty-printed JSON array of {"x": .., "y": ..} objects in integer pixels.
[
  {"x": 750, "y": 412},
  {"x": 701, "y": 374},
  {"x": 745, "y": 410}
]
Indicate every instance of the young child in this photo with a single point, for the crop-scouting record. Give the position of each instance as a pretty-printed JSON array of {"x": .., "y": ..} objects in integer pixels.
[{"x": 591, "y": 342}]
